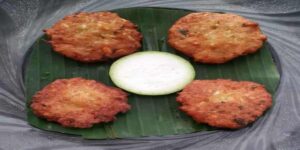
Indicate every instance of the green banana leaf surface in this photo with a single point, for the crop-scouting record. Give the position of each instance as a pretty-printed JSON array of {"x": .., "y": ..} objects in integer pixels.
[{"x": 149, "y": 115}]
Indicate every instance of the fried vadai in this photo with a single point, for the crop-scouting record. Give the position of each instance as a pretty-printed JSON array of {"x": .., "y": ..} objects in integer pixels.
[
  {"x": 94, "y": 36},
  {"x": 79, "y": 102},
  {"x": 215, "y": 38},
  {"x": 224, "y": 103}
]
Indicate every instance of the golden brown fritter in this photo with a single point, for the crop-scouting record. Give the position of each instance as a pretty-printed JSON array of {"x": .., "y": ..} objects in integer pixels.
[
  {"x": 79, "y": 102},
  {"x": 94, "y": 36},
  {"x": 214, "y": 37},
  {"x": 224, "y": 103}
]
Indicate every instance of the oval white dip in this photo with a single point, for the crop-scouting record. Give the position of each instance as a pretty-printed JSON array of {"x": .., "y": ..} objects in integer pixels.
[{"x": 151, "y": 73}]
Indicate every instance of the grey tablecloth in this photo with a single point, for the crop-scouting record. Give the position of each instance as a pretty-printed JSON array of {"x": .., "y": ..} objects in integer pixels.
[{"x": 22, "y": 21}]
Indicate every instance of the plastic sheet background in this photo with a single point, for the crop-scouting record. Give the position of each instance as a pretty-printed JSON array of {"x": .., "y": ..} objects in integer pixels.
[{"x": 22, "y": 21}]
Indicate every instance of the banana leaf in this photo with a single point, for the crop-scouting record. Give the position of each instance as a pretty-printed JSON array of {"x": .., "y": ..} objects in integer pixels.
[{"x": 150, "y": 115}]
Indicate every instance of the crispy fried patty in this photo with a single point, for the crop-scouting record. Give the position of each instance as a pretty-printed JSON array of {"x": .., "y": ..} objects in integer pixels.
[
  {"x": 214, "y": 37},
  {"x": 93, "y": 37},
  {"x": 224, "y": 103},
  {"x": 79, "y": 102}
]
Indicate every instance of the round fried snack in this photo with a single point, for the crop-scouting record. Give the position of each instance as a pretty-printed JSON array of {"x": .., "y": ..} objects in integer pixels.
[
  {"x": 224, "y": 103},
  {"x": 93, "y": 37},
  {"x": 215, "y": 38},
  {"x": 79, "y": 102}
]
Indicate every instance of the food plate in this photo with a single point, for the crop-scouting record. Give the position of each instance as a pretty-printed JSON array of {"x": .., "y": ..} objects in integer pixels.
[{"x": 150, "y": 115}]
